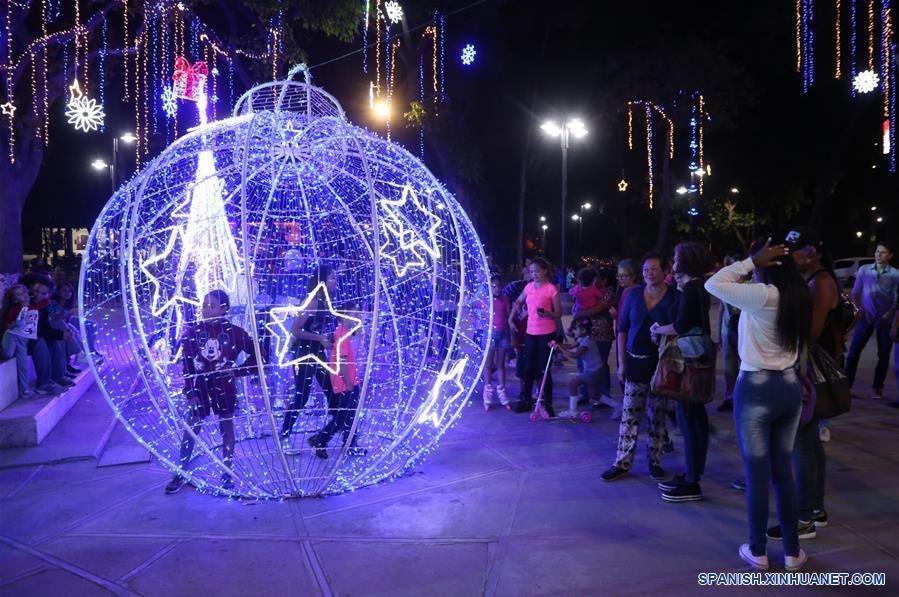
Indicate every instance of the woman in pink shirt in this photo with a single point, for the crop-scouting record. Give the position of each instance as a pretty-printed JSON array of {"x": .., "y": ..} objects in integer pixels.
[{"x": 544, "y": 307}]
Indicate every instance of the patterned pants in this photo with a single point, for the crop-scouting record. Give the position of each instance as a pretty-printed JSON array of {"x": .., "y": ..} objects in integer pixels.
[{"x": 636, "y": 396}]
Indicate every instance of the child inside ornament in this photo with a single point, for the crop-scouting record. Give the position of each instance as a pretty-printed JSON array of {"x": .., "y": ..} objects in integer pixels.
[
  {"x": 345, "y": 387},
  {"x": 210, "y": 348}
]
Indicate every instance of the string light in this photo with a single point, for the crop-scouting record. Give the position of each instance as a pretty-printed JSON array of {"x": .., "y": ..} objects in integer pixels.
[
  {"x": 417, "y": 363},
  {"x": 394, "y": 12},
  {"x": 630, "y": 125},
  {"x": 701, "y": 131},
  {"x": 102, "y": 68},
  {"x": 853, "y": 42},
  {"x": 442, "y": 58},
  {"x": 126, "y": 58},
  {"x": 837, "y": 33},
  {"x": 800, "y": 36},
  {"x": 365, "y": 38},
  {"x": 45, "y": 92},
  {"x": 377, "y": 48},
  {"x": 649, "y": 151},
  {"x": 885, "y": 57},
  {"x": 421, "y": 100},
  {"x": 670, "y": 130},
  {"x": 870, "y": 35}
]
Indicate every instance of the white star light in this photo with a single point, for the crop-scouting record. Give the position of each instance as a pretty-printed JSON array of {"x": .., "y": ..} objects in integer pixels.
[
  {"x": 9, "y": 109},
  {"x": 468, "y": 54},
  {"x": 405, "y": 238},
  {"x": 155, "y": 308},
  {"x": 289, "y": 148},
  {"x": 169, "y": 102},
  {"x": 281, "y": 332},
  {"x": 394, "y": 11},
  {"x": 435, "y": 413},
  {"x": 866, "y": 81}
]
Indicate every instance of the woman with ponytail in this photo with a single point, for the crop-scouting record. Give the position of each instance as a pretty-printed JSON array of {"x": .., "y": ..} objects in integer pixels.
[{"x": 775, "y": 323}]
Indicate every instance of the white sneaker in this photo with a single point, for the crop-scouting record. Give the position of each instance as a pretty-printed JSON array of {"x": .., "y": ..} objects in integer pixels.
[
  {"x": 501, "y": 394},
  {"x": 757, "y": 562},
  {"x": 792, "y": 564},
  {"x": 824, "y": 433},
  {"x": 488, "y": 394}
]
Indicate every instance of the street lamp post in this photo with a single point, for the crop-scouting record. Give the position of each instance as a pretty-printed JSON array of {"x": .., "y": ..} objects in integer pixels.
[
  {"x": 574, "y": 126},
  {"x": 99, "y": 164},
  {"x": 543, "y": 239}
]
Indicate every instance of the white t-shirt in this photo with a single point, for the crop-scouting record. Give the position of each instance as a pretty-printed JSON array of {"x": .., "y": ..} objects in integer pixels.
[{"x": 758, "y": 341}]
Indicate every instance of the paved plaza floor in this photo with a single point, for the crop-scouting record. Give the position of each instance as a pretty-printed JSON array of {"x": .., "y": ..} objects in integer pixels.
[{"x": 503, "y": 507}]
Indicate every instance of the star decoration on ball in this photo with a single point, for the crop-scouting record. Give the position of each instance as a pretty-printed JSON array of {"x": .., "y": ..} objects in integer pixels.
[
  {"x": 281, "y": 332},
  {"x": 866, "y": 81},
  {"x": 394, "y": 11},
  {"x": 9, "y": 109},
  {"x": 86, "y": 114},
  {"x": 622, "y": 185},
  {"x": 169, "y": 102},
  {"x": 406, "y": 239},
  {"x": 446, "y": 392},
  {"x": 468, "y": 54},
  {"x": 290, "y": 149}
]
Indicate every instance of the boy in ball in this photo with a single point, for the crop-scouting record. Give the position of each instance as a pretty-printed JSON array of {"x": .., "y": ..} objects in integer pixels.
[{"x": 210, "y": 348}]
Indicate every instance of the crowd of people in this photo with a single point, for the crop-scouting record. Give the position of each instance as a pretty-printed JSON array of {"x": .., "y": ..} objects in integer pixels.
[
  {"x": 41, "y": 329},
  {"x": 783, "y": 322}
]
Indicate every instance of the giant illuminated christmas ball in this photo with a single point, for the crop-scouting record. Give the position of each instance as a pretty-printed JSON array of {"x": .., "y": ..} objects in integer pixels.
[{"x": 254, "y": 205}]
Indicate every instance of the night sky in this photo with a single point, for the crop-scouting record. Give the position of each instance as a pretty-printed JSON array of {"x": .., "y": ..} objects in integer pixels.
[{"x": 543, "y": 60}]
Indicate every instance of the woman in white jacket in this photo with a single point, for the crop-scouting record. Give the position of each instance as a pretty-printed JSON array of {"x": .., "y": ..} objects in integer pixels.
[{"x": 775, "y": 323}]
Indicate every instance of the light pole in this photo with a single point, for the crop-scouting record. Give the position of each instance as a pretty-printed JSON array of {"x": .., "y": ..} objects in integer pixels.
[
  {"x": 575, "y": 126},
  {"x": 100, "y": 164},
  {"x": 543, "y": 239}
]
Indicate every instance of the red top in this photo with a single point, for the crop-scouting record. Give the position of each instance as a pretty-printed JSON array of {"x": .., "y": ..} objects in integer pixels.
[{"x": 347, "y": 354}]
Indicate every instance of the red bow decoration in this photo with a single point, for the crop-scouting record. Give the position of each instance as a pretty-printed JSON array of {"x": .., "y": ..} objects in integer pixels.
[{"x": 189, "y": 80}]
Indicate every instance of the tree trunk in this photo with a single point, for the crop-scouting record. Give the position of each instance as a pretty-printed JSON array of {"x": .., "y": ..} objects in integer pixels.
[
  {"x": 18, "y": 179},
  {"x": 522, "y": 193},
  {"x": 665, "y": 203}
]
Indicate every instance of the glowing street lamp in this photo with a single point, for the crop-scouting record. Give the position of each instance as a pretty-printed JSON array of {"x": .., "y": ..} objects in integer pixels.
[
  {"x": 98, "y": 164},
  {"x": 735, "y": 191},
  {"x": 576, "y": 127},
  {"x": 682, "y": 190}
]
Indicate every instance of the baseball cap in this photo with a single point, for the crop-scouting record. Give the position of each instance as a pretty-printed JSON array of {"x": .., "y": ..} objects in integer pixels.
[{"x": 803, "y": 236}]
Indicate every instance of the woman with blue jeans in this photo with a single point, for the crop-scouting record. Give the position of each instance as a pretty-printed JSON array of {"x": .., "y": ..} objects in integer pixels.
[{"x": 775, "y": 323}]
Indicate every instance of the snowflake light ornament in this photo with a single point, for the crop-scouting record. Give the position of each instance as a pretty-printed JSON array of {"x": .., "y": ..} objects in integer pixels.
[
  {"x": 866, "y": 81},
  {"x": 468, "y": 54},
  {"x": 86, "y": 114},
  {"x": 394, "y": 11},
  {"x": 256, "y": 205},
  {"x": 169, "y": 102}
]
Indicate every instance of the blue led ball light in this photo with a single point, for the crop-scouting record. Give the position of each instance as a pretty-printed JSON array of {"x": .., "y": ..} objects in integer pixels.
[{"x": 288, "y": 305}]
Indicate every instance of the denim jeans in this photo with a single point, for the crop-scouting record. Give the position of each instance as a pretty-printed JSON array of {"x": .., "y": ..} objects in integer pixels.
[
  {"x": 809, "y": 463},
  {"x": 49, "y": 358},
  {"x": 863, "y": 332},
  {"x": 693, "y": 421},
  {"x": 605, "y": 376},
  {"x": 15, "y": 346},
  {"x": 766, "y": 416}
]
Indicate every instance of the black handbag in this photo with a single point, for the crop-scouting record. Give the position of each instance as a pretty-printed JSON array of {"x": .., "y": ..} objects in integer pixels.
[{"x": 831, "y": 386}]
